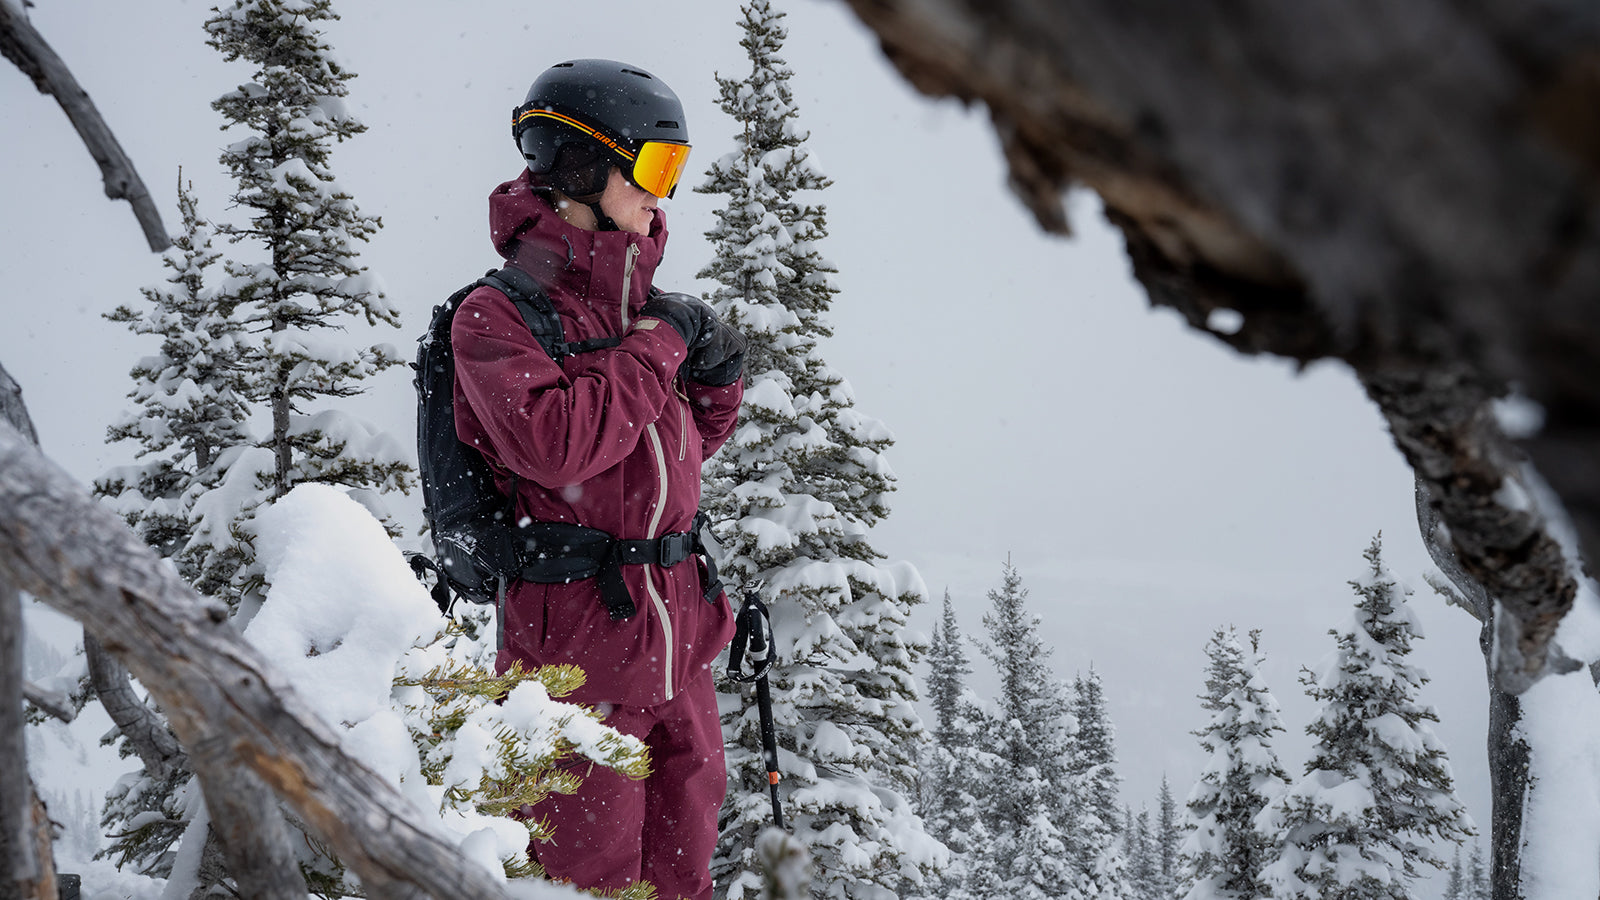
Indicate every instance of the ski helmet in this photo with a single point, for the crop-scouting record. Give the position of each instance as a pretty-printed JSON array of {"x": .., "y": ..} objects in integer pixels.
[{"x": 584, "y": 116}]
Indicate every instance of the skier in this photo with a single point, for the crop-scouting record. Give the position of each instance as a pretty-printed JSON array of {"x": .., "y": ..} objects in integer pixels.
[{"x": 609, "y": 442}]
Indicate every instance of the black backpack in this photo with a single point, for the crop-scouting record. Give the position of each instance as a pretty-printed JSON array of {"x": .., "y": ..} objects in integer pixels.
[{"x": 476, "y": 546}]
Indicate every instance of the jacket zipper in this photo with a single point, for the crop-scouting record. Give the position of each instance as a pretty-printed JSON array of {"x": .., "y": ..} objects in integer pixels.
[
  {"x": 627, "y": 281},
  {"x": 683, "y": 422},
  {"x": 655, "y": 523}
]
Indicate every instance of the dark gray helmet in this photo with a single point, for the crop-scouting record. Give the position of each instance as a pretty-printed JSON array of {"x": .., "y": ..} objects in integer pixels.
[{"x": 584, "y": 116}]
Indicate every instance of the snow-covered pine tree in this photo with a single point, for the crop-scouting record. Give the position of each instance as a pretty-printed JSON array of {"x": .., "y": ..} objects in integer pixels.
[
  {"x": 1168, "y": 838},
  {"x": 190, "y": 395},
  {"x": 956, "y": 767},
  {"x": 1095, "y": 847},
  {"x": 189, "y": 425},
  {"x": 1031, "y": 730},
  {"x": 1240, "y": 777},
  {"x": 301, "y": 284},
  {"x": 1377, "y": 793},
  {"x": 794, "y": 494},
  {"x": 1138, "y": 848},
  {"x": 261, "y": 344},
  {"x": 1456, "y": 887},
  {"x": 1478, "y": 887}
]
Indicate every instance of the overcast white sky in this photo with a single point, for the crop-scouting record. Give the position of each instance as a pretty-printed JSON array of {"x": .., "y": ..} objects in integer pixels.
[{"x": 1149, "y": 484}]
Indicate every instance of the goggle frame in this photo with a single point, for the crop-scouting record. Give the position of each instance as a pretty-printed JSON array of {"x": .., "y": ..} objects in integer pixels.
[{"x": 656, "y": 167}]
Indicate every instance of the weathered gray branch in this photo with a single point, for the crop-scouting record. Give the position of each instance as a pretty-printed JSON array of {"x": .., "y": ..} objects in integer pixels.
[
  {"x": 250, "y": 830},
  {"x": 19, "y": 861},
  {"x": 51, "y": 703},
  {"x": 225, "y": 703},
  {"x": 28, "y": 50},
  {"x": 1410, "y": 188},
  {"x": 12, "y": 409},
  {"x": 144, "y": 730}
]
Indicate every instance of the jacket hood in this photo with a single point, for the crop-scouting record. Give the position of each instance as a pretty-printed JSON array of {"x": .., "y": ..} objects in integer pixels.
[{"x": 570, "y": 260}]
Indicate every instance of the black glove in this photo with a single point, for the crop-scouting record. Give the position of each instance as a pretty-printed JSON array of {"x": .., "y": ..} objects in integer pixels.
[
  {"x": 719, "y": 360},
  {"x": 691, "y": 317}
]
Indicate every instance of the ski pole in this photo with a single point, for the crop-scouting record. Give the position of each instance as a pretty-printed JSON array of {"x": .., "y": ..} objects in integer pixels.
[{"x": 753, "y": 634}]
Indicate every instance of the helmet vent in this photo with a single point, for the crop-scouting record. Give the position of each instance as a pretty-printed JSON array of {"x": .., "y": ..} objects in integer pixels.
[
  {"x": 638, "y": 73},
  {"x": 666, "y": 123}
]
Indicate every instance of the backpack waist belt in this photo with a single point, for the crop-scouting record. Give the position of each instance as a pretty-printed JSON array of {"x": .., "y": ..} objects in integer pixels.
[{"x": 559, "y": 553}]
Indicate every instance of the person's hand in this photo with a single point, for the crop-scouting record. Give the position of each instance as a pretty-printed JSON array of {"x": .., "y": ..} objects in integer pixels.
[
  {"x": 719, "y": 360},
  {"x": 691, "y": 317}
]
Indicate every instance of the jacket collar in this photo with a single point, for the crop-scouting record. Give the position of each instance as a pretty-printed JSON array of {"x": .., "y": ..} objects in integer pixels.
[{"x": 609, "y": 271}]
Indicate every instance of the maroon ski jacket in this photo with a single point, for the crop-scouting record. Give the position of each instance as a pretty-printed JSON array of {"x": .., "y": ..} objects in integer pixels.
[{"x": 610, "y": 439}]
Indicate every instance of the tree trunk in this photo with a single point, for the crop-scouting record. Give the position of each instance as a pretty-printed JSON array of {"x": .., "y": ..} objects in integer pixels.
[
  {"x": 18, "y": 853},
  {"x": 1508, "y": 753},
  {"x": 223, "y": 700},
  {"x": 29, "y": 51},
  {"x": 19, "y": 861},
  {"x": 1409, "y": 188},
  {"x": 1508, "y": 781}
]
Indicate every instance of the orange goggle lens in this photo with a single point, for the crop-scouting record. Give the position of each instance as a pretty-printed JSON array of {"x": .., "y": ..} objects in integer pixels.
[{"x": 659, "y": 165}]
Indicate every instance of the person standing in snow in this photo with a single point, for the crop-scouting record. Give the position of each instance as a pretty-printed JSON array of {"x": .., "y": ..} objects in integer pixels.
[{"x": 602, "y": 453}]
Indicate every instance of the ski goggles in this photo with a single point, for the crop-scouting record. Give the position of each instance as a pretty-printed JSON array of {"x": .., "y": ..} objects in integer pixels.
[{"x": 655, "y": 167}]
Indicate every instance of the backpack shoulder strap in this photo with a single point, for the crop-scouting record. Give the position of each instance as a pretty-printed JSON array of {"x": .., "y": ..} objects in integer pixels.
[{"x": 531, "y": 301}]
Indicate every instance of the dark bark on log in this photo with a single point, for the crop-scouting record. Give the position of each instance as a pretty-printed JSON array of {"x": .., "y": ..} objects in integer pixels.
[
  {"x": 29, "y": 51},
  {"x": 1508, "y": 753},
  {"x": 1411, "y": 188},
  {"x": 223, "y": 700}
]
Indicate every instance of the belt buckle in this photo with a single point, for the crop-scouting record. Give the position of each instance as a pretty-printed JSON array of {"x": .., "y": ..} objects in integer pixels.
[{"x": 674, "y": 550}]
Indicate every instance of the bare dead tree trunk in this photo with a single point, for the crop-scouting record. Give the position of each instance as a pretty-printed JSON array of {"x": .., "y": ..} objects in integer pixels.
[
  {"x": 17, "y": 853},
  {"x": 226, "y": 705},
  {"x": 29, "y": 51},
  {"x": 1410, "y": 188},
  {"x": 1508, "y": 753},
  {"x": 21, "y": 868}
]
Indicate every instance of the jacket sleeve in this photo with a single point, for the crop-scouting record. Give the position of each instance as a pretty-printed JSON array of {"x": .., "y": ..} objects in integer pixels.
[
  {"x": 716, "y": 413},
  {"x": 538, "y": 423}
]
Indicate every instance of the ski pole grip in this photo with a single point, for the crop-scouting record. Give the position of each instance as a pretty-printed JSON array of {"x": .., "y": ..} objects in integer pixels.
[{"x": 752, "y": 634}]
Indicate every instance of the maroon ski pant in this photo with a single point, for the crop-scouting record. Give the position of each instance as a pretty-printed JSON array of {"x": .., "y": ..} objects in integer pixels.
[{"x": 663, "y": 829}]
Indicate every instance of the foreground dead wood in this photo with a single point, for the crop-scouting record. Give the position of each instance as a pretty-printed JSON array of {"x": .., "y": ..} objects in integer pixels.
[
  {"x": 28, "y": 51},
  {"x": 26, "y": 868},
  {"x": 1509, "y": 753},
  {"x": 225, "y": 703},
  {"x": 1410, "y": 188}
]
